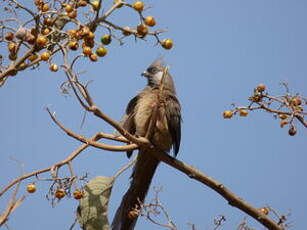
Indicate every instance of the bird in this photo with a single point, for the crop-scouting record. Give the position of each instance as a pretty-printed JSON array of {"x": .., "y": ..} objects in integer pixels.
[{"x": 166, "y": 135}]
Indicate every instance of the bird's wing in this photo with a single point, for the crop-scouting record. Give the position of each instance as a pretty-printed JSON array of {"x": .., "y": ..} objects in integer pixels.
[
  {"x": 173, "y": 115},
  {"x": 128, "y": 122}
]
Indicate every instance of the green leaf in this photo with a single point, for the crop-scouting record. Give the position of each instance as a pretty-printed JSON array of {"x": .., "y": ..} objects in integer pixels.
[{"x": 92, "y": 213}]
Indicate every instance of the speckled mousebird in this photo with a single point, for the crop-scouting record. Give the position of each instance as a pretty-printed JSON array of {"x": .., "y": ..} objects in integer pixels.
[{"x": 166, "y": 135}]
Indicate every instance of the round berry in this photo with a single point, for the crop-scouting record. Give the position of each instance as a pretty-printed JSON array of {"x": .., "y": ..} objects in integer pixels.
[{"x": 31, "y": 188}]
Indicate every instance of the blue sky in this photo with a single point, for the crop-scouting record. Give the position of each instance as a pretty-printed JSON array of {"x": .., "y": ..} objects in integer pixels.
[{"x": 222, "y": 50}]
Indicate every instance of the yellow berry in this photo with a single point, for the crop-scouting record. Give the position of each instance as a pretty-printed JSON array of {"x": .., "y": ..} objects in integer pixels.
[
  {"x": 138, "y": 6},
  {"x": 150, "y": 21},
  {"x": 22, "y": 66},
  {"x": 31, "y": 188},
  {"x": 12, "y": 47},
  {"x": 101, "y": 51},
  {"x": 45, "y": 56},
  {"x": 54, "y": 67},
  {"x": 95, "y": 5},
  {"x": 167, "y": 43},
  {"x": 41, "y": 41},
  {"x": 45, "y": 31}
]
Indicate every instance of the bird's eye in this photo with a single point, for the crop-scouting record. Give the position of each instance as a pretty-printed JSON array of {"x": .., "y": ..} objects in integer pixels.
[{"x": 152, "y": 70}]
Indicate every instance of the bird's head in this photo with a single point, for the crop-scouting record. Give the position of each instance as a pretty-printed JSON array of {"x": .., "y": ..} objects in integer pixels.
[{"x": 154, "y": 74}]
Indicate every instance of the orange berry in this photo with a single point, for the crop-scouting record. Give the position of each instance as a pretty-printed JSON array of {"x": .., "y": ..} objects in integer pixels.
[
  {"x": 296, "y": 101},
  {"x": 72, "y": 14},
  {"x": 243, "y": 113},
  {"x": 261, "y": 87},
  {"x": 72, "y": 33},
  {"x": 9, "y": 36},
  {"x": 87, "y": 51},
  {"x": 133, "y": 214},
  {"x": 41, "y": 41},
  {"x": 283, "y": 123},
  {"x": 60, "y": 193},
  {"x": 227, "y": 114},
  {"x": 142, "y": 30},
  {"x": 138, "y": 6},
  {"x": 150, "y": 21},
  {"x": 256, "y": 98},
  {"x": 85, "y": 31},
  {"x": 82, "y": 3},
  {"x": 31, "y": 188},
  {"x": 167, "y": 44},
  {"x": 78, "y": 194},
  {"x": 38, "y": 2},
  {"x": 101, "y": 51},
  {"x": 126, "y": 31},
  {"x": 45, "y": 56},
  {"x": 90, "y": 36},
  {"x": 48, "y": 21},
  {"x": 45, "y": 7},
  {"x": 69, "y": 8},
  {"x": 73, "y": 45},
  {"x": 292, "y": 131},
  {"x": 54, "y": 67}
]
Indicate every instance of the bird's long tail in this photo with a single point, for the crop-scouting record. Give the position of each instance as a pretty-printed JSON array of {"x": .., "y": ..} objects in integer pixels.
[{"x": 141, "y": 178}]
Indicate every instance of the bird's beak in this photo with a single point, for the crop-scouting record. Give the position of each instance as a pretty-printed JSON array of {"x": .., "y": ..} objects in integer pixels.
[{"x": 145, "y": 74}]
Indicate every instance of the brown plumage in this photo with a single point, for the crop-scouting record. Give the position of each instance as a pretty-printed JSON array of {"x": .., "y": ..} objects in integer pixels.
[{"x": 166, "y": 134}]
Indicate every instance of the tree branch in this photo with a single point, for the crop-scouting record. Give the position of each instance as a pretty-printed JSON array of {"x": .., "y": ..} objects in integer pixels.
[{"x": 232, "y": 198}]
